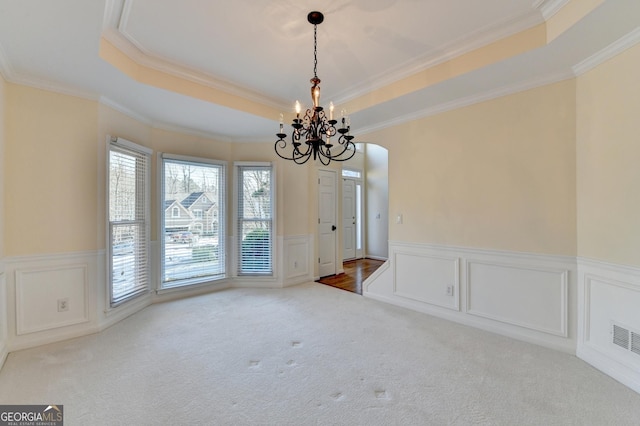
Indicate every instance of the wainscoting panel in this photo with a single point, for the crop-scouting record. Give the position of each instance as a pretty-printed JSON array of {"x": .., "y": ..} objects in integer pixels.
[
  {"x": 534, "y": 298},
  {"x": 609, "y": 319},
  {"x": 426, "y": 278},
  {"x": 37, "y": 285},
  {"x": 297, "y": 258},
  {"x": 526, "y": 296},
  {"x": 39, "y": 291},
  {"x": 4, "y": 336}
]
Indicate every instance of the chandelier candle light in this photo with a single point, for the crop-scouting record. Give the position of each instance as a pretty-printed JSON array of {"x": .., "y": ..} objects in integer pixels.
[{"x": 314, "y": 128}]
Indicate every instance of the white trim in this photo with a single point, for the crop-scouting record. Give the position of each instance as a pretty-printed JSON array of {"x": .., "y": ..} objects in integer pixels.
[
  {"x": 131, "y": 48},
  {"x": 298, "y": 252},
  {"x": 549, "y": 8},
  {"x": 103, "y": 100},
  {"x": 20, "y": 276},
  {"x": 561, "y": 331},
  {"x": 191, "y": 159},
  {"x": 629, "y": 40},
  {"x": 454, "y": 262},
  {"x": 203, "y": 134},
  {"x": 553, "y": 277},
  {"x": 515, "y": 255},
  {"x": 456, "y": 48},
  {"x": 337, "y": 262},
  {"x": 4, "y": 317},
  {"x": 275, "y": 243},
  {"x": 115, "y": 142},
  {"x": 595, "y": 316},
  {"x": 184, "y": 284},
  {"x": 131, "y": 145},
  {"x": 368, "y": 256},
  {"x": 84, "y": 299},
  {"x": 5, "y": 66}
]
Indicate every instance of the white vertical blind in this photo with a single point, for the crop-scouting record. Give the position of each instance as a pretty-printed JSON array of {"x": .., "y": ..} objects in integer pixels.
[
  {"x": 128, "y": 222},
  {"x": 255, "y": 220},
  {"x": 193, "y": 224}
]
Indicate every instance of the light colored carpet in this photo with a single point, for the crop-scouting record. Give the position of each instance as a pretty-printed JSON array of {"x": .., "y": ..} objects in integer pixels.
[{"x": 308, "y": 355}]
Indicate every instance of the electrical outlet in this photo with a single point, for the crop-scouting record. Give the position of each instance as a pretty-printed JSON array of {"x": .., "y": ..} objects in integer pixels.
[
  {"x": 63, "y": 305},
  {"x": 449, "y": 290}
]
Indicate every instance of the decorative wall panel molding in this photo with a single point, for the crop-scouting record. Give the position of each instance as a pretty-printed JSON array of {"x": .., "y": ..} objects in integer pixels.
[
  {"x": 609, "y": 310},
  {"x": 4, "y": 338},
  {"x": 426, "y": 278},
  {"x": 297, "y": 257},
  {"x": 527, "y": 296},
  {"x": 37, "y": 285},
  {"x": 49, "y": 298}
]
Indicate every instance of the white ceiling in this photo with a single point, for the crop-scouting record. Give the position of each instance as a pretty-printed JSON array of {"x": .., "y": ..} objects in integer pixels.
[{"x": 263, "y": 51}]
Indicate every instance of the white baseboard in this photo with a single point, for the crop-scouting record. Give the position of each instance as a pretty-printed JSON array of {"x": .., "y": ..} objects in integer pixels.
[
  {"x": 629, "y": 377},
  {"x": 384, "y": 259},
  {"x": 526, "y": 296},
  {"x": 4, "y": 340}
]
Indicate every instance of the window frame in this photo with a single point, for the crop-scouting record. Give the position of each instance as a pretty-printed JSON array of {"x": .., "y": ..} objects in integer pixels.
[
  {"x": 124, "y": 146},
  {"x": 236, "y": 219},
  {"x": 187, "y": 283}
]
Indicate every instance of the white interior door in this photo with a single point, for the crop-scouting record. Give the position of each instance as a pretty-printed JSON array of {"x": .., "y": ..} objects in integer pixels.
[
  {"x": 349, "y": 219},
  {"x": 327, "y": 222}
]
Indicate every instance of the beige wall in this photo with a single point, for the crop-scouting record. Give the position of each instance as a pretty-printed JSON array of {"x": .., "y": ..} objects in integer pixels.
[
  {"x": 50, "y": 172},
  {"x": 501, "y": 174},
  {"x": 55, "y": 179},
  {"x": 496, "y": 175},
  {"x": 608, "y": 153}
]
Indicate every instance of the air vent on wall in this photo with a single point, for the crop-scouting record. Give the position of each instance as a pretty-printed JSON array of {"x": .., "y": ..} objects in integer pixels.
[{"x": 625, "y": 338}]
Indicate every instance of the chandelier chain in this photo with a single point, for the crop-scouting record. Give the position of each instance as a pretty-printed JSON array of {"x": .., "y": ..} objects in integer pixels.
[{"x": 315, "y": 51}]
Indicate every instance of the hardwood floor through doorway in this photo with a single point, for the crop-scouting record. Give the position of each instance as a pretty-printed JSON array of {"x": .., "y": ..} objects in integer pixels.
[{"x": 355, "y": 272}]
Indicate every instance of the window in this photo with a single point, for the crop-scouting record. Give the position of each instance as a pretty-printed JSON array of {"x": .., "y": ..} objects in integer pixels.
[
  {"x": 255, "y": 219},
  {"x": 175, "y": 212},
  {"x": 128, "y": 181},
  {"x": 193, "y": 249},
  {"x": 351, "y": 173}
]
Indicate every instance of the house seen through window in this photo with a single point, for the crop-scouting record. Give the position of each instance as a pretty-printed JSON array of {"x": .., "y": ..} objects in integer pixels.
[{"x": 193, "y": 243}]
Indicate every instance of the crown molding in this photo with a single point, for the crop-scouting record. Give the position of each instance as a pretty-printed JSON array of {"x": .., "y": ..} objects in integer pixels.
[
  {"x": 51, "y": 86},
  {"x": 115, "y": 21},
  {"x": 471, "y": 100},
  {"x": 124, "y": 110},
  {"x": 112, "y": 13},
  {"x": 480, "y": 38},
  {"x": 158, "y": 124},
  {"x": 187, "y": 131},
  {"x": 625, "y": 42},
  {"x": 11, "y": 76},
  {"x": 549, "y": 8},
  {"x": 5, "y": 66},
  {"x": 129, "y": 48}
]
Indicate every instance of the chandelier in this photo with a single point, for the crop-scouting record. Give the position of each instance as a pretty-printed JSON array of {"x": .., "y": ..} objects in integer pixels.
[{"x": 314, "y": 128}]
